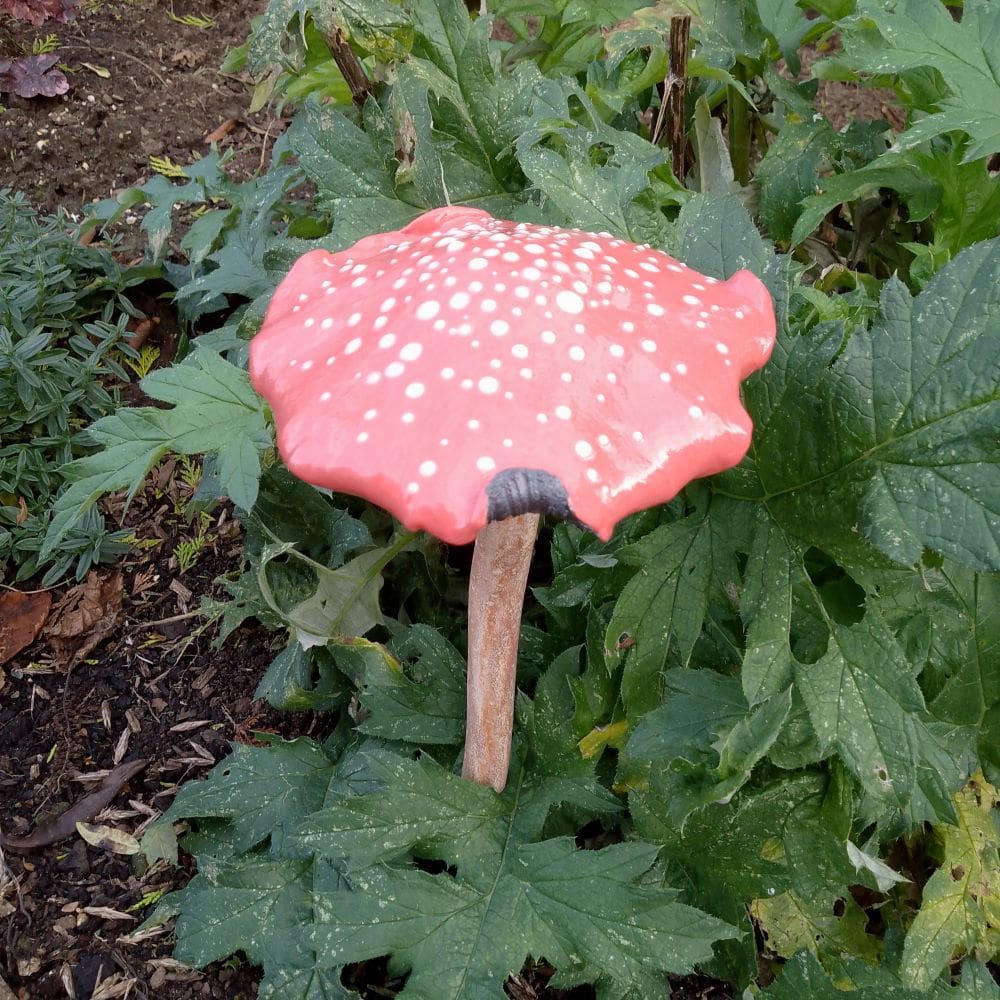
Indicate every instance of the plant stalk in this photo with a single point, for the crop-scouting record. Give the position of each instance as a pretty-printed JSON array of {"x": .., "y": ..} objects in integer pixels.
[
  {"x": 496, "y": 596},
  {"x": 670, "y": 121},
  {"x": 738, "y": 114},
  {"x": 350, "y": 67}
]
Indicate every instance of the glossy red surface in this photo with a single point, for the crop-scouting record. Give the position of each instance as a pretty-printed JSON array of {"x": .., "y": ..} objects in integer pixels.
[{"x": 414, "y": 366}]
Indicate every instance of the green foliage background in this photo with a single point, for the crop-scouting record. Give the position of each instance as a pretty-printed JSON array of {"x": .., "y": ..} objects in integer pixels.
[{"x": 777, "y": 697}]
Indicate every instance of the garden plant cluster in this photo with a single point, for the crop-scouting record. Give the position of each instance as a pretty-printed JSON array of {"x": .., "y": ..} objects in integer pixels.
[{"x": 771, "y": 705}]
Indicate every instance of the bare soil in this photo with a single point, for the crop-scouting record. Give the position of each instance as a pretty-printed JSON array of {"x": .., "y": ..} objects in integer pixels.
[{"x": 132, "y": 673}]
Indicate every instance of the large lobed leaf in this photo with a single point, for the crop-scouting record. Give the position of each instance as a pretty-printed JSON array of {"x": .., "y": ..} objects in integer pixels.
[
  {"x": 891, "y": 437},
  {"x": 214, "y": 410},
  {"x": 460, "y": 936},
  {"x": 912, "y": 34}
]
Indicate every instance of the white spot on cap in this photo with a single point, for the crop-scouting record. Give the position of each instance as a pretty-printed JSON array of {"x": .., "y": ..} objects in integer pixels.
[
  {"x": 548, "y": 337},
  {"x": 584, "y": 449},
  {"x": 499, "y": 327},
  {"x": 525, "y": 373},
  {"x": 428, "y": 309},
  {"x": 681, "y": 368},
  {"x": 636, "y": 435},
  {"x": 447, "y": 373},
  {"x": 593, "y": 475},
  {"x": 522, "y": 291},
  {"x": 459, "y": 300},
  {"x": 427, "y": 468},
  {"x": 519, "y": 351},
  {"x": 352, "y": 345},
  {"x": 478, "y": 263},
  {"x": 563, "y": 412},
  {"x": 370, "y": 414},
  {"x": 616, "y": 351},
  {"x": 387, "y": 341},
  {"x": 303, "y": 297},
  {"x": 696, "y": 411},
  {"x": 531, "y": 273},
  {"x": 415, "y": 390},
  {"x": 394, "y": 369},
  {"x": 739, "y": 314},
  {"x": 721, "y": 348},
  {"x": 411, "y": 351},
  {"x": 306, "y": 365},
  {"x": 488, "y": 305},
  {"x": 387, "y": 305},
  {"x": 309, "y": 322},
  {"x": 488, "y": 385},
  {"x": 412, "y": 488},
  {"x": 325, "y": 396},
  {"x": 655, "y": 310},
  {"x": 485, "y": 464},
  {"x": 354, "y": 319},
  {"x": 362, "y": 437},
  {"x": 648, "y": 345},
  {"x": 508, "y": 442},
  {"x": 691, "y": 300},
  {"x": 407, "y": 418},
  {"x": 569, "y": 302},
  {"x": 327, "y": 323},
  {"x": 577, "y": 353},
  {"x": 473, "y": 425}
]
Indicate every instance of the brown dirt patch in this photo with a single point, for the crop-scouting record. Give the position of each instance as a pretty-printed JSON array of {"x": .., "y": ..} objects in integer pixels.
[{"x": 141, "y": 85}]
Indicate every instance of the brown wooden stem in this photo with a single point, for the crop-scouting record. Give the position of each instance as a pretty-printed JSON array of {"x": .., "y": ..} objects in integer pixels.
[
  {"x": 350, "y": 67},
  {"x": 670, "y": 121},
  {"x": 496, "y": 596}
]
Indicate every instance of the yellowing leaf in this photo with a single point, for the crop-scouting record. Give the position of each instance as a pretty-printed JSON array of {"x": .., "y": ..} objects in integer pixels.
[
  {"x": 101, "y": 71},
  {"x": 108, "y": 838},
  {"x": 960, "y": 903},
  {"x": 790, "y": 924}
]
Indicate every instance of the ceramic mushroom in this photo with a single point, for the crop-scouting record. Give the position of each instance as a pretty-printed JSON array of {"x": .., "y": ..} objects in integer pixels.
[{"x": 468, "y": 374}]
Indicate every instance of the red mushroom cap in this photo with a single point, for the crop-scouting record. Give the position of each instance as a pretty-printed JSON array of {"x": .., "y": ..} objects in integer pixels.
[{"x": 415, "y": 367}]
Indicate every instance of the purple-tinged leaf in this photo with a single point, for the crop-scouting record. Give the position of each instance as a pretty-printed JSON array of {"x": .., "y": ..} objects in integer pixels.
[{"x": 33, "y": 76}]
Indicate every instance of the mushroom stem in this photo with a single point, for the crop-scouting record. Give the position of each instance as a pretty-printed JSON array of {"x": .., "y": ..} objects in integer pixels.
[{"x": 496, "y": 595}]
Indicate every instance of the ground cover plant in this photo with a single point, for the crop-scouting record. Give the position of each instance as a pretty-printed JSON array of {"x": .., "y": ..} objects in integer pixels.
[
  {"x": 64, "y": 315},
  {"x": 757, "y": 729}
]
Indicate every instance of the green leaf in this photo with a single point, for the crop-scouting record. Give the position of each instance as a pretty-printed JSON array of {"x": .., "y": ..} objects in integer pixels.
[
  {"x": 215, "y": 410},
  {"x": 718, "y": 237},
  {"x": 960, "y": 909},
  {"x": 680, "y": 564},
  {"x": 423, "y": 703},
  {"x": 353, "y": 170},
  {"x": 852, "y": 979},
  {"x": 913, "y": 34},
  {"x": 894, "y": 440},
  {"x": 460, "y": 936},
  {"x": 900, "y": 172},
  {"x": 262, "y": 791},
  {"x": 863, "y": 699},
  {"x": 773, "y": 568},
  {"x": 702, "y": 743},
  {"x": 252, "y": 905},
  {"x": 344, "y": 601}
]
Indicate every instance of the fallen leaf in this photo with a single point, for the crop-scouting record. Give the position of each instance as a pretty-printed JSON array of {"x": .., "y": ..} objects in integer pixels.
[
  {"x": 106, "y": 913},
  {"x": 64, "y": 825},
  {"x": 84, "y": 617},
  {"x": 104, "y": 74},
  {"x": 22, "y": 616},
  {"x": 222, "y": 130},
  {"x": 108, "y": 838}
]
